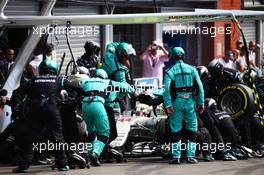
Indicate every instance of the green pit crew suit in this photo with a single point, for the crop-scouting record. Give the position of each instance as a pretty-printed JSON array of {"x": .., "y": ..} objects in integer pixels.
[
  {"x": 94, "y": 113},
  {"x": 112, "y": 62},
  {"x": 116, "y": 70},
  {"x": 183, "y": 78}
]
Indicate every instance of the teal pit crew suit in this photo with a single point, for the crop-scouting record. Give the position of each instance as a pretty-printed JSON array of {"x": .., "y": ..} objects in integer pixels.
[
  {"x": 114, "y": 64},
  {"x": 180, "y": 81},
  {"x": 113, "y": 60},
  {"x": 94, "y": 113}
]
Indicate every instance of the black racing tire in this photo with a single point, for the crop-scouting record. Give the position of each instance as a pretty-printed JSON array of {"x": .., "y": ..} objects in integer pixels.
[
  {"x": 260, "y": 88},
  {"x": 162, "y": 131},
  {"x": 128, "y": 147},
  {"x": 238, "y": 101}
]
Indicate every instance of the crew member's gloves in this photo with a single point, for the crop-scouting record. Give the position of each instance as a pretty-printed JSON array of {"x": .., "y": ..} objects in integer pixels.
[
  {"x": 3, "y": 101},
  {"x": 169, "y": 111},
  {"x": 136, "y": 94},
  {"x": 200, "y": 109}
]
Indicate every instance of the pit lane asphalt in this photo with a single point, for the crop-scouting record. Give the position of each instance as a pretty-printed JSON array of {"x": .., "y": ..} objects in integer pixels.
[{"x": 157, "y": 166}]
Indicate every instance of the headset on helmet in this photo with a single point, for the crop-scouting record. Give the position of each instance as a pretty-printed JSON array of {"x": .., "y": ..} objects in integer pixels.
[
  {"x": 210, "y": 104},
  {"x": 203, "y": 73},
  {"x": 100, "y": 73},
  {"x": 48, "y": 67},
  {"x": 215, "y": 68},
  {"x": 125, "y": 49},
  {"x": 176, "y": 52}
]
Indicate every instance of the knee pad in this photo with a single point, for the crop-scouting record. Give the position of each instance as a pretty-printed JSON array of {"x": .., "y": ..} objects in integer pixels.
[
  {"x": 176, "y": 137},
  {"x": 191, "y": 135},
  {"x": 91, "y": 137},
  {"x": 102, "y": 138}
]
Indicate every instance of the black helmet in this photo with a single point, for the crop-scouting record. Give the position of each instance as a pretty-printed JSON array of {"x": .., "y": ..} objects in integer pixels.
[
  {"x": 92, "y": 48},
  {"x": 215, "y": 68},
  {"x": 203, "y": 73},
  {"x": 48, "y": 67}
]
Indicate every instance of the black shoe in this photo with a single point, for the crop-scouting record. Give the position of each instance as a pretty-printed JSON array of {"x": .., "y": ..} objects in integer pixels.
[
  {"x": 175, "y": 161},
  {"x": 228, "y": 157},
  {"x": 208, "y": 158},
  {"x": 78, "y": 160},
  {"x": 64, "y": 168},
  {"x": 94, "y": 160},
  {"x": 192, "y": 160},
  {"x": 60, "y": 168},
  {"x": 42, "y": 161},
  {"x": 20, "y": 170}
]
